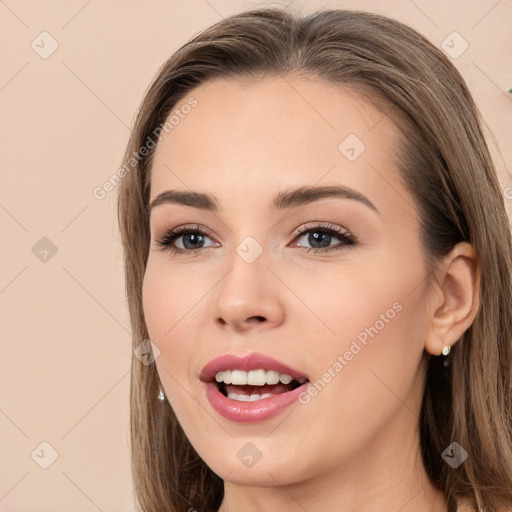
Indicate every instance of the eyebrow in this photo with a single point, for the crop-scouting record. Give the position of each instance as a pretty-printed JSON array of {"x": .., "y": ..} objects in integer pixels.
[{"x": 283, "y": 200}]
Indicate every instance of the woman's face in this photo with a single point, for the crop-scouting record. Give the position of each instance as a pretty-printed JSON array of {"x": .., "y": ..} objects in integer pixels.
[{"x": 331, "y": 287}]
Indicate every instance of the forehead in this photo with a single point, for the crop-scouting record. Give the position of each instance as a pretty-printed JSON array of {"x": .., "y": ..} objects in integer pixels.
[{"x": 273, "y": 133}]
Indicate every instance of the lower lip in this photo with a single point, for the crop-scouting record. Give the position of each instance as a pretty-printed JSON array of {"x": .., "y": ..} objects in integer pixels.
[{"x": 248, "y": 412}]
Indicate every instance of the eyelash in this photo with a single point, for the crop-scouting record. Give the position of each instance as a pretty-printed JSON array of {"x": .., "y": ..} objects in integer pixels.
[{"x": 348, "y": 239}]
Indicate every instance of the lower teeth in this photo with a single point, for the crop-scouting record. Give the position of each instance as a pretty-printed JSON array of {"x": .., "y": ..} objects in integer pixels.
[{"x": 249, "y": 398}]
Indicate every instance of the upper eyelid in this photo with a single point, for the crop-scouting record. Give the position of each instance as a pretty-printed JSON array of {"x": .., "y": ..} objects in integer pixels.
[{"x": 326, "y": 225}]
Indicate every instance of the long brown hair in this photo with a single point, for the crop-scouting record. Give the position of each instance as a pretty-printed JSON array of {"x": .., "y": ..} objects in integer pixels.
[{"x": 445, "y": 163}]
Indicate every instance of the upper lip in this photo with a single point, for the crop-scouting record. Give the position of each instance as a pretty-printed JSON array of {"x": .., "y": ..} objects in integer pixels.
[{"x": 247, "y": 363}]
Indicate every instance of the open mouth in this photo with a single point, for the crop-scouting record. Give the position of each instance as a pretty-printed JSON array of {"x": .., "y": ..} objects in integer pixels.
[
  {"x": 256, "y": 384},
  {"x": 251, "y": 388}
]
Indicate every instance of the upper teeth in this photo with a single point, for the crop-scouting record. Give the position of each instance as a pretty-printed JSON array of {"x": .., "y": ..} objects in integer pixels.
[{"x": 254, "y": 377}]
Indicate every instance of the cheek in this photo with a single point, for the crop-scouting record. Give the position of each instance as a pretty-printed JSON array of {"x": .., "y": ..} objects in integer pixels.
[
  {"x": 169, "y": 301},
  {"x": 157, "y": 304},
  {"x": 372, "y": 335},
  {"x": 368, "y": 302},
  {"x": 367, "y": 373},
  {"x": 171, "y": 306}
]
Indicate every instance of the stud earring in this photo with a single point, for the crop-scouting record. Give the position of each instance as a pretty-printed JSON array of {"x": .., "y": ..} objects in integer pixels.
[
  {"x": 161, "y": 395},
  {"x": 445, "y": 352}
]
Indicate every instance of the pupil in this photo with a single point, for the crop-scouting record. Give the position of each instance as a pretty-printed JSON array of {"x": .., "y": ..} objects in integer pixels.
[
  {"x": 315, "y": 236},
  {"x": 193, "y": 236}
]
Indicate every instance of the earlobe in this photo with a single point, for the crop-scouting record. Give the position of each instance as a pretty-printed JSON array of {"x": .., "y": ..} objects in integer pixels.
[{"x": 457, "y": 298}]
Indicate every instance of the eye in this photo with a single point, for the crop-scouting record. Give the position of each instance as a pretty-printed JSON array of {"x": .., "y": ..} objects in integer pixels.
[
  {"x": 321, "y": 236},
  {"x": 193, "y": 237}
]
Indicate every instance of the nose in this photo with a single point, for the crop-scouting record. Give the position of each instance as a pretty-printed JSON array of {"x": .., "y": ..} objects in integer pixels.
[{"x": 247, "y": 297}]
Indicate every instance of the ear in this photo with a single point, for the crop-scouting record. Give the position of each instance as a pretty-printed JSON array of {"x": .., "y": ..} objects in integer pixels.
[{"x": 454, "y": 299}]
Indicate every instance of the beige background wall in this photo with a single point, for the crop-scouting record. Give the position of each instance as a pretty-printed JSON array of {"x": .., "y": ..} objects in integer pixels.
[{"x": 65, "y": 349}]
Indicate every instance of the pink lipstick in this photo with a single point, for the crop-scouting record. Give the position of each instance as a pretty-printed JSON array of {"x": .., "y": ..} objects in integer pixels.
[{"x": 252, "y": 388}]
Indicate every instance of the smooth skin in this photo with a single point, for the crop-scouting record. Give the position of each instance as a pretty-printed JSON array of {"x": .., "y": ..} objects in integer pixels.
[{"x": 355, "y": 445}]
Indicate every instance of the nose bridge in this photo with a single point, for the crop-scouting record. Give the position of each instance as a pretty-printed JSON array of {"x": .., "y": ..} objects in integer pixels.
[
  {"x": 246, "y": 275},
  {"x": 245, "y": 291}
]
